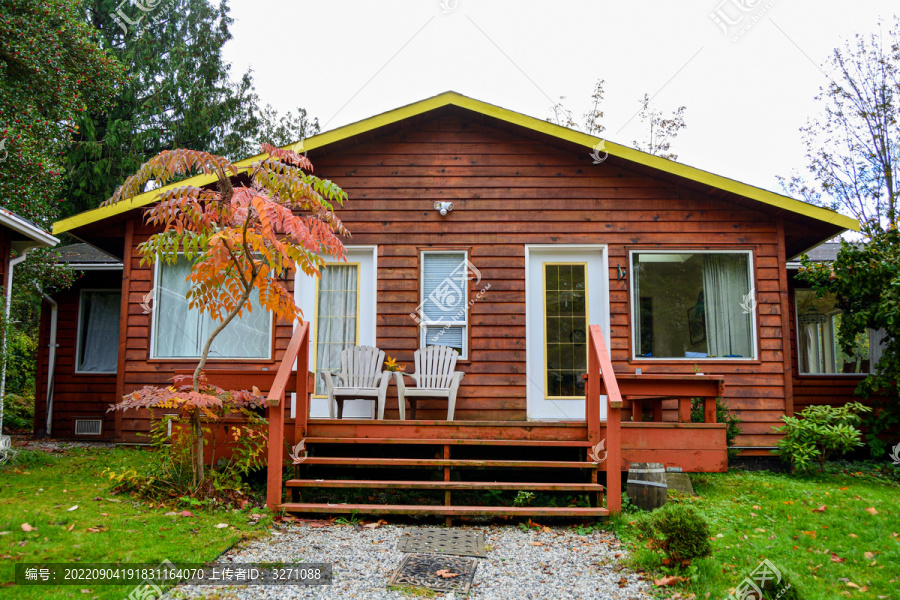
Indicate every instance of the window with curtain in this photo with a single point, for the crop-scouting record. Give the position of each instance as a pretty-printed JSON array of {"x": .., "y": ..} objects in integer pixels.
[
  {"x": 337, "y": 313},
  {"x": 98, "y": 331},
  {"x": 181, "y": 332},
  {"x": 445, "y": 300},
  {"x": 818, "y": 330},
  {"x": 692, "y": 305}
]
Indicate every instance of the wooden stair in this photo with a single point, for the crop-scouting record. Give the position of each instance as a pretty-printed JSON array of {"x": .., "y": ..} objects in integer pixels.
[{"x": 414, "y": 462}]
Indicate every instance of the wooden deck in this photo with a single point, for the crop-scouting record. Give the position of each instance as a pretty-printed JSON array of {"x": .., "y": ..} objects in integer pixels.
[{"x": 456, "y": 457}]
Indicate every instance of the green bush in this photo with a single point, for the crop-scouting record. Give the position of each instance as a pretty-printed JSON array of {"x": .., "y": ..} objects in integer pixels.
[
  {"x": 18, "y": 413},
  {"x": 21, "y": 363},
  {"x": 723, "y": 415},
  {"x": 676, "y": 531},
  {"x": 818, "y": 433}
]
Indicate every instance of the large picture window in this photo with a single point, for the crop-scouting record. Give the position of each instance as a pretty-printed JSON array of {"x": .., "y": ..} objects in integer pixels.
[
  {"x": 692, "y": 305},
  {"x": 181, "y": 332},
  {"x": 818, "y": 330},
  {"x": 444, "y": 307},
  {"x": 98, "y": 331}
]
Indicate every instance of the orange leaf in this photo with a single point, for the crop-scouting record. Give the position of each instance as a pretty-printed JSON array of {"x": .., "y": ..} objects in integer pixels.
[
  {"x": 27, "y": 527},
  {"x": 669, "y": 580},
  {"x": 871, "y": 510},
  {"x": 837, "y": 559},
  {"x": 446, "y": 573},
  {"x": 821, "y": 509}
]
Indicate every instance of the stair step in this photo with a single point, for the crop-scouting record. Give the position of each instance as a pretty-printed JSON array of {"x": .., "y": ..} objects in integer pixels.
[
  {"x": 452, "y": 511},
  {"x": 446, "y": 462},
  {"x": 443, "y": 485},
  {"x": 446, "y": 441}
]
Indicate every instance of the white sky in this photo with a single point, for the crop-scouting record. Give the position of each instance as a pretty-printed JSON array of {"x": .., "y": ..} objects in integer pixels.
[{"x": 348, "y": 60}]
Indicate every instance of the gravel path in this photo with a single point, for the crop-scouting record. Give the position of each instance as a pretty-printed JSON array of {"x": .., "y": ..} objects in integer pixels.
[{"x": 553, "y": 563}]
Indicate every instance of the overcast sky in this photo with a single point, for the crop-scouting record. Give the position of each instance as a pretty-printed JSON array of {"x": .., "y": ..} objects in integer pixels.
[{"x": 747, "y": 91}]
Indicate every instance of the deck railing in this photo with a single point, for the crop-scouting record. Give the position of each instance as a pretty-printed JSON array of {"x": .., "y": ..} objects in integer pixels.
[
  {"x": 602, "y": 378},
  {"x": 298, "y": 349}
]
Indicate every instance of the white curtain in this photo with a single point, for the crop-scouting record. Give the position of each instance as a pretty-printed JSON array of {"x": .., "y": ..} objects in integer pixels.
[
  {"x": 877, "y": 341},
  {"x": 181, "y": 332},
  {"x": 809, "y": 349},
  {"x": 725, "y": 284},
  {"x": 99, "y": 331},
  {"x": 336, "y": 317}
]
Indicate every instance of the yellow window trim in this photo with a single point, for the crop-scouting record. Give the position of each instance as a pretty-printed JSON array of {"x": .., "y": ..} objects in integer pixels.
[
  {"x": 503, "y": 114},
  {"x": 587, "y": 320}
]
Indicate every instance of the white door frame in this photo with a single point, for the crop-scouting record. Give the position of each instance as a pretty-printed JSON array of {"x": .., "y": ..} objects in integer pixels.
[
  {"x": 304, "y": 295},
  {"x": 538, "y": 408}
]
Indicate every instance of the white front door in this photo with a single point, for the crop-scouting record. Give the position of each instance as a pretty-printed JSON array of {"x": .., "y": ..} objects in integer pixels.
[
  {"x": 340, "y": 308},
  {"x": 567, "y": 289}
]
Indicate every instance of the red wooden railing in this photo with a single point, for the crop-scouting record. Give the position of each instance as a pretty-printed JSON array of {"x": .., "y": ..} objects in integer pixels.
[
  {"x": 602, "y": 378},
  {"x": 297, "y": 349}
]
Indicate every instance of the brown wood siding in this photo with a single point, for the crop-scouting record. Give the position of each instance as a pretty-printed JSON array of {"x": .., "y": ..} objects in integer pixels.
[
  {"x": 509, "y": 191},
  {"x": 76, "y": 395}
]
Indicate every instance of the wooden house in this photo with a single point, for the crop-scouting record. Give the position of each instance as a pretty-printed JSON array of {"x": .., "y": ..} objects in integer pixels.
[{"x": 567, "y": 252}]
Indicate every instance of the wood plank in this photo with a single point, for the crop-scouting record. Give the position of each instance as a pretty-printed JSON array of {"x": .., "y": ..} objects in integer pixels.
[
  {"x": 453, "y": 511},
  {"x": 453, "y": 462},
  {"x": 443, "y": 485},
  {"x": 447, "y": 442}
]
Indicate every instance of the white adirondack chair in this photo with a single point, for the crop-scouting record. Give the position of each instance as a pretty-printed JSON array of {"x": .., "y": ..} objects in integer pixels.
[
  {"x": 434, "y": 378},
  {"x": 361, "y": 377}
]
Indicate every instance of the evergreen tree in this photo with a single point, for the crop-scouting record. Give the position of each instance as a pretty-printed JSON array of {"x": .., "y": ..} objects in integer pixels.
[{"x": 180, "y": 94}]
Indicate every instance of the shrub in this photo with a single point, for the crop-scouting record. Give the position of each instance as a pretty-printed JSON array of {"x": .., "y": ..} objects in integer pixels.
[
  {"x": 676, "y": 531},
  {"x": 723, "y": 415},
  {"x": 18, "y": 413},
  {"x": 168, "y": 472},
  {"x": 818, "y": 433}
]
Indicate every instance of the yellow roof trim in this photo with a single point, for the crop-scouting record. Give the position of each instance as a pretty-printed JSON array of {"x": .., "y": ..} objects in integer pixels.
[{"x": 532, "y": 123}]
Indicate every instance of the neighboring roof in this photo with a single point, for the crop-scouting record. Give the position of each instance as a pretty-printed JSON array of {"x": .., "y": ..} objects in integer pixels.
[
  {"x": 827, "y": 252},
  {"x": 26, "y": 234},
  {"x": 87, "y": 257},
  {"x": 453, "y": 99}
]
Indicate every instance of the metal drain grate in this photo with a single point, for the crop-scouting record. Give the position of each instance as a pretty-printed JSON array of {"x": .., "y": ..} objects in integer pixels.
[
  {"x": 422, "y": 570},
  {"x": 443, "y": 541}
]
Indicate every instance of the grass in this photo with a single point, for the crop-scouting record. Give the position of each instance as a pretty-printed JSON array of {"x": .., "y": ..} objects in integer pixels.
[
  {"x": 842, "y": 551},
  {"x": 40, "y": 488}
]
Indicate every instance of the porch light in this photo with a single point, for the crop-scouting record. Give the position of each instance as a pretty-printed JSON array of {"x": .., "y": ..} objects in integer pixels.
[
  {"x": 443, "y": 207},
  {"x": 812, "y": 317}
]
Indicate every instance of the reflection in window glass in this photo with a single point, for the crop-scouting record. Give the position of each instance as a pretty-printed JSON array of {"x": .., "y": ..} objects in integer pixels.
[
  {"x": 565, "y": 321},
  {"x": 818, "y": 330},
  {"x": 692, "y": 305}
]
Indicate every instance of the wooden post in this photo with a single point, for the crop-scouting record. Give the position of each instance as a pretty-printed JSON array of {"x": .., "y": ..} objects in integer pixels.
[
  {"x": 600, "y": 366},
  {"x": 275, "y": 414},
  {"x": 709, "y": 410},
  {"x": 784, "y": 309},
  {"x": 448, "y": 520},
  {"x": 123, "y": 323},
  {"x": 298, "y": 349},
  {"x": 684, "y": 410}
]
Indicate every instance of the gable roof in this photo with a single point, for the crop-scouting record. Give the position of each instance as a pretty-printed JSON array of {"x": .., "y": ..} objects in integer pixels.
[
  {"x": 25, "y": 233},
  {"x": 772, "y": 199}
]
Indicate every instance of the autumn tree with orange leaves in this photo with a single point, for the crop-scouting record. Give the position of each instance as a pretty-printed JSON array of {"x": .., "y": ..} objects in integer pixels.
[{"x": 240, "y": 238}]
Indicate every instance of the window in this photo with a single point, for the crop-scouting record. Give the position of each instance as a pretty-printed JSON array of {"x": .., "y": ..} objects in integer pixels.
[
  {"x": 445, "y": 308},
  {"x": 692, "y": 305},
  {"x": 565, "y": 322},
  {"x": 180, "y": 332},
  {"x": 337, "y": 322},
  {"x": 818, "y": 330},
  {"x": 98, "y": 331}
]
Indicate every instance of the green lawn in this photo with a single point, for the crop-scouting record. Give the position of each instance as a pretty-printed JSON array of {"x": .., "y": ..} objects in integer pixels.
[
  {"x": 109, "y": 528},
  {"x": 821, "y": 532}
]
